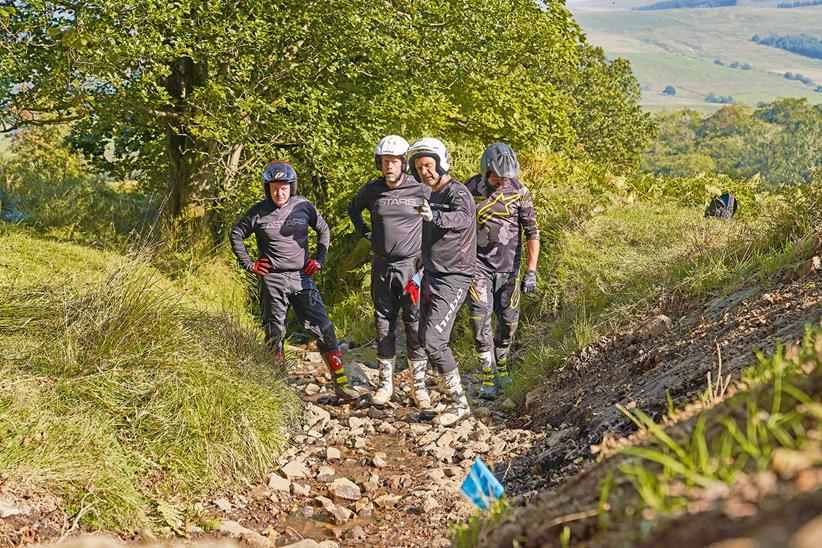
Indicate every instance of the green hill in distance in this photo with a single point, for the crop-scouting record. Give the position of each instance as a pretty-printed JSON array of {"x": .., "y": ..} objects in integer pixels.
[{"x": 695, "y": 50}]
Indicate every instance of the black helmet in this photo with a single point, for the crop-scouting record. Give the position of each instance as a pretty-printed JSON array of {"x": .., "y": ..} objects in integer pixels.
[
  {"x": 501, "y": 159},
  {"x": 279, "y": 171}
]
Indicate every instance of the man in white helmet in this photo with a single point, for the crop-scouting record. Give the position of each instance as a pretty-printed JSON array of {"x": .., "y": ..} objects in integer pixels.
[
  {"x": 396, "y": 241},
  {"x": 504, "y": 212},
  {"x": 449, "y": 252}
]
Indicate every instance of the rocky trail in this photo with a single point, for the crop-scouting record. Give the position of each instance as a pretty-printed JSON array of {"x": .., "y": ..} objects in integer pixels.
[{"x": 362, "y": 475}]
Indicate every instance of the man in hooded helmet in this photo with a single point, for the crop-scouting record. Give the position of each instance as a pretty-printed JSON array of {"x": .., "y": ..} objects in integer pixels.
[
  {"x": 449, "y": 252},
  {"x": 504, "y": 212},
  {"x": 396, "y": 240},
  {"x": 280, "y": 223}
]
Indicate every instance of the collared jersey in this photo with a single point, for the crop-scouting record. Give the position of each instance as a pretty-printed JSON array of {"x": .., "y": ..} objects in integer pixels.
[
  {"x": 281, "y": 233},
  {"x": 503, "y": 214}
]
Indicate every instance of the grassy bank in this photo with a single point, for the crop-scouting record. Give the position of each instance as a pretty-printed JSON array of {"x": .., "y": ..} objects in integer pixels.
[{"x": 124, "y": 391}]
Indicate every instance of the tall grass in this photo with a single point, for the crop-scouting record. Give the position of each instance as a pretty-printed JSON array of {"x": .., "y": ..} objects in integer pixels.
[{"x": 121, "y": 389}]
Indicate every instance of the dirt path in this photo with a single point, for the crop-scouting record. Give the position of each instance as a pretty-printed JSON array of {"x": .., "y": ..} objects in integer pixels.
[{"x": 362, "y": 475}]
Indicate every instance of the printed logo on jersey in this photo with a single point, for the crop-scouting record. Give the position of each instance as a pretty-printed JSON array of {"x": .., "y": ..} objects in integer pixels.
[
  {"x": 287, "y": 222},
  {"x": 487, "y": 211},
  {"x": 398, "y": 202}
]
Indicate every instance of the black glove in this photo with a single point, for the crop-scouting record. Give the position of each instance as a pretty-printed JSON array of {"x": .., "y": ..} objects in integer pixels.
[
  {"x": 529, "y": 282},
  {"x": 367, "y": 235}
]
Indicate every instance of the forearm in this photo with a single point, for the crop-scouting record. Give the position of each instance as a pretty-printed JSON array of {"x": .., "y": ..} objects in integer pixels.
[
  {"x": 236, "y": 238},
  {"x": 533, "y": 254}
]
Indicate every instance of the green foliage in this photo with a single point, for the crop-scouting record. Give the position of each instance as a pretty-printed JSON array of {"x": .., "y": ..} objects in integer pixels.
[
  {"x": 624, "y": 243},
  {"x": 776, "y": 413},
  {"x": 124, "y": 392},
  {"x": 193, "y": 98},
  {"x": 467, "y": 535},
  {"x": 779, "y": 141}
]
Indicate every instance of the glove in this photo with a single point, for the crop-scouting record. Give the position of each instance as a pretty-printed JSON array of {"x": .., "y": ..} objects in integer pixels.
[
  {"x": 529, "y": 282},
  {"x": 426, "y": 212},
  {"x": 311, "y": 267},
  {"x": 412, "y": 288},
  {"x": 367, "y": 235},
  {"x": 261, "y": 267}
]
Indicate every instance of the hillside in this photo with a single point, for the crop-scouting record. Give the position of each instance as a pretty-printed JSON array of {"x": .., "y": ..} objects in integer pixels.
[{"x": 680, "y": 47}]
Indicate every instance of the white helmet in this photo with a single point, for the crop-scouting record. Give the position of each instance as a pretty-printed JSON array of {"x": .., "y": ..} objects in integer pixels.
[
  {"x": 392, "y": 145},
  {"x": 433, "y": 148}
]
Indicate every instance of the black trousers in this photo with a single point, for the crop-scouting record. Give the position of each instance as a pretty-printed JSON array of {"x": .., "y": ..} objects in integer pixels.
[
  {"x": 278, "y": 291},
  {"x": 493, "y": 295},
  {"x": 388, "y": 279},
  {"x": 440, "y": 300}
]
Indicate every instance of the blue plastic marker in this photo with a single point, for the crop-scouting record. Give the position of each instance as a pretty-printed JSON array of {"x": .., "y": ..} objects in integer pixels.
[{"x": 482, "y": 486}]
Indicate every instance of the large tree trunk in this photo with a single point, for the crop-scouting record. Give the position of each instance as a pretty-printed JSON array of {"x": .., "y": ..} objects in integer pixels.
[{"x": 190, "y": 161}]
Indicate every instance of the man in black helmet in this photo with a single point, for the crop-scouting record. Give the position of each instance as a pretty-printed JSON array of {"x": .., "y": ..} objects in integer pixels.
[
  {"x": 396, "y": 240},
  {"x": 504, "y": 212},
  {"x": 280, "y": 223},
  {"x": 449, "y": 253}
]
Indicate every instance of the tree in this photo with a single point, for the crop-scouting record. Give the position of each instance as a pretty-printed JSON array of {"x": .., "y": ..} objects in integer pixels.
[{"x": 197, "y": 95}]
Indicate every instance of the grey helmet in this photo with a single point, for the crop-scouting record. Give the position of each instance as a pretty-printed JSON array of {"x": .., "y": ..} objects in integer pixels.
[
  {"x": 501, "y": 159},
  {"x": 392, "y": 145},
  {"x": 433, "y": 148}
]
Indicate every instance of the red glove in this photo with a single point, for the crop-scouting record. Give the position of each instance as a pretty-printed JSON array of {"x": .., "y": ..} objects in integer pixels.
[
  {"x": 311, "y": 267},
  {"x": 413, "y": 288},
  {"x": 261, "y": 267}
]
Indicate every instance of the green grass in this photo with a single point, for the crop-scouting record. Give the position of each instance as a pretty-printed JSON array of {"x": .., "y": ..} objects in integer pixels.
[
  {"x": 124, "y": 391},
  {"x": 773, "y": 422},
  {"x": 600, "y": 273},
  {"x": 678, "y": 47}
]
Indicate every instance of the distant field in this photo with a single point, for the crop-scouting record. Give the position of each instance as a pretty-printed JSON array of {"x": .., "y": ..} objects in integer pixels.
[{"x": 678, "y": 48}]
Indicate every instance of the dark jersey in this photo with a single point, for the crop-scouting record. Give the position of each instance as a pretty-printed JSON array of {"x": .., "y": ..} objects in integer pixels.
[
  {"x": 449, "y": 244},
  {"x": 396, "y": 228},
  {"x": 282, "y": 234},
  {"x": 503, "y": 214}
]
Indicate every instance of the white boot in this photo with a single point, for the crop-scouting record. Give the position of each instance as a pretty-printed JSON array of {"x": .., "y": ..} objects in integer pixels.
[
  {"x": 458, "y": 409},
  {"x": 421, "y": 396},
  {"x": 386, "y": 389}
]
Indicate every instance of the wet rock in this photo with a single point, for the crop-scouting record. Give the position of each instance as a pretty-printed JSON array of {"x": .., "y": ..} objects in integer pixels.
[
  {"x": 654, "y": 327},
  {"x": 509, "y": 405},
  {"x": 295, "y": 469},
  {"x": 326, "y": 474},
  {"x": 332, "y": 454},
  {"x": 379, "y": 460},
  {"x": 276, "y": 482},
  {"x": 355, "y": 373},
  {"x": 344, "y": 488},
  {"x": 223, "y": 504},
  {"x": 235, "y": 530}
]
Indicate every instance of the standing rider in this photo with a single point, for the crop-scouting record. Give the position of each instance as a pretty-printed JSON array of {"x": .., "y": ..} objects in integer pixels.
[
  {"x": 280, "y": 223},
  {"x": 396, "y": 239},
  {"x": 504, "y": 212},
  {"x": 449, "y": 251}
]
